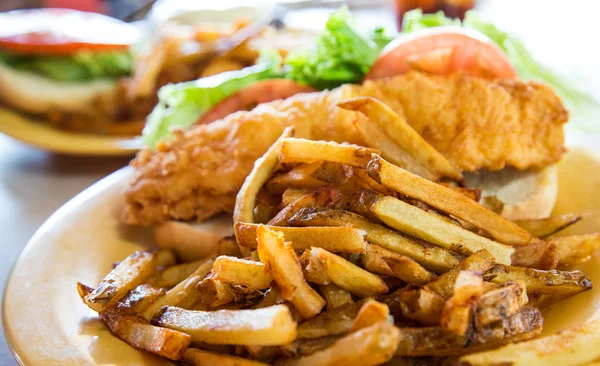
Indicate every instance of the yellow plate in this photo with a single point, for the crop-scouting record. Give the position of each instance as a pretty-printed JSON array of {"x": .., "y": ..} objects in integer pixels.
[
  {"x": 45, "y": 322},
  {"x": 36, "y": 133}
]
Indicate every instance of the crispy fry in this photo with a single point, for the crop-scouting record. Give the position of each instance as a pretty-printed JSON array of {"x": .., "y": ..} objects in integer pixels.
[
  {"x": 543, "y": 282},
  {"x": 138, "y": 299},
  {"x": 179, "y": 294},
  {"x": 474, "y": 194},
  {"x": 575, "y": 249},
  {"x": 458, "y": 311},
  {"x": 480, "y": 261},
  {"x": 270, "y": 298},
  {"x": 349, "y": 276},
  {"x": 403, "y": 135},
  {"x": 335, "y": 174},
  {"x": 229, "y": 246},
  {"x": 322, "y": 197},
  {"x": 130, "y": 273},
  {"x": 498, "y": 304},
  {"x": 538, "y": 254},
  {"x": 387, "y": 263},
  {"x": 211, "y": 294},
  {"x": 300, "y": 177},
  {"x": 330, "y": 323},
  {"x": 429, "y": 256},
  {"x": 263, "y": 168},
  {"x": 335, "y": 296},
  {"x": 83, "y": 292},
  {"x": 422, "y": 305},
  {"x": 542, "y": 228},
  {"x": 197, "y": 357},
  {"x": 447, "y": 201},
  {"x": 306, "y": 151},
  {"x": 282, "y": 264},
  {"x": 164, "y": 342},
  {"x": 369, "y": 346},
  {"x": 576, "y": 346},
  {"x": 424, "y": 225},
  {"x": 191, "y": 243},
  {"x": 305, "y": 347},
  {"x": 292, "y": 194},
  {"x": 171, "y": 276},
  {"x": 270, "y": 326},
  {"x": 372, "y": 312},
  {"x": 241, "y": 272},
  {"x": 335, "y": 239},
  {"x": 493, "y": 204}
]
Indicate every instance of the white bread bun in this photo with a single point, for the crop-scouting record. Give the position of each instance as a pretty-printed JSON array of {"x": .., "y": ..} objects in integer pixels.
[
  {"x": 36, "y": 94},
  {"x": 529, "y": 194}
]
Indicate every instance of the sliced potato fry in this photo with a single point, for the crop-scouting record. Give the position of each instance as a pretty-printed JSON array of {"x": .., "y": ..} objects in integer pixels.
[
  {"x": 305, "y": 347},
  {"x": 335, "y": 239},
  {"x": 543, "y": 282},
  {"x": 162, "y": 341},
  {"x": 474, "y": 194},
  {"x": 299, "y": 177},
  {"x": 130, "y": 273},
  {"x": 575, "y": 249},
  {"x": 335, "y": 296},
  {"x": 576, "y": 346},
  {"x": 282, "y": 264},
  {"x": 500, "y": 303},
  {"x": 307, "y": 151},
  {"x": 542, "y": 228},
  {"x": 212, "y": 294},
  {"x": 292, "y": 194},
  {"x": 331, "y": 322},
  {"x": 403, "y": 135},
  {"x": 171, "y": 276},
  {"x": 241, "y": 272},
  {"x": 322, "y": 197},
  {"x": 192, "y": 242},
  {"x": 198, "y": 357},
  {"x": 263, "y": 168},
  {"x": 458, "y": 311},
  {"x": 138, "y": 299},
  {"x": 229, "y": 246},
  {"x": 269, "y": 326},
  {"x": 429, "y": 256},
  {"x": 422, "y": 305},
  {"x": 369, "y": 346},
  {"x": 416, "y": 222},
  {"x": 448, "y": 201},
  {"x": 372, "y": 312},
  {"x": 538, "y": 254},
  {"x": 387, "y": 263},
  {"x": 83, "y": 292},
  {"x": 335, "y": 174}
]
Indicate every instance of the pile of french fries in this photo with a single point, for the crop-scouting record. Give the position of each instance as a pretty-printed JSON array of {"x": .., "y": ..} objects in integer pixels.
[{"x": 341, "y": 257}]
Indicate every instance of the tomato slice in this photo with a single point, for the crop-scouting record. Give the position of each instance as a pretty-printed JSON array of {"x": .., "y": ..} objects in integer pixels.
[
  {"x": 443, "y": 50},
  {"x": 62, "y": 32},
  {"x": 246, "y": 99}
]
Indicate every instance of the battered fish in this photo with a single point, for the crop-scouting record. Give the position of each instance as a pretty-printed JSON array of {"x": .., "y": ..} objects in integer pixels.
[{"x": 476, "y": 123}]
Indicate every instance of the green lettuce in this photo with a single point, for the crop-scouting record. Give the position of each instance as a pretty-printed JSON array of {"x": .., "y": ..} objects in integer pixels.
[
  {"x": 525, "y": 64},
  {"x": 343, "y": 54},
  {"x": 82, "y": 66},
  {"x": 180, "y": 105}
]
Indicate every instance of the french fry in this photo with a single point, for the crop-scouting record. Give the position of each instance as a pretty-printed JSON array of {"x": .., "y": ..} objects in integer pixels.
[
  {"x": 480, "y": 261},
  {"x": 448, "y": 201},
  {"x": 178, "y": 294},
  {"x": 538, "y": 254},
  {"x": 372, "y": 312},
  {"x": 271, "y": 297},
  {"x": 306, "y": 151},
  {"x": 500, "y": 303},
  {"x": 335, "y": 174},
  {"x": 422, "y": 305},
  {"x": 212, "y": 294},
  {"x": 263, "y": 168},
  {"x": 138, "y": 299},
  {"x": 282, "y": 264},
  {"x": 334, "y": 296},
  {"x": 369, "y": 346},
  {"x": 543, "y": 282},
  {"x": 387, "y": 263},
  {"x": 313, "y": 268},
  {"x": 130, "y": 273},
  {"x": 322, "y": 197},
  {"x": 171, "y": 276},
  {"x": 229, "y": 246},
  {"x": 331, "y": 322},
  {"x": 164, "y": 342},
  {"x": 299, "y": 177},
  {"x": 416, "y": 222},
  {"x": 492, "y": 203},
  {"x": 403, "y": 135},
  {"x": 83, "y": 292},
  {"x": 269, "y": 326},
  {"x": 349, "y": 276},
  {"x": 376, "y": 138},
  {"x": 198, "y": 357},
  {"x": 474, "y": 194},
  {"x": 576, "y": 346},
  {"x": 575, "y": 249},
  {"x": 241, "y": 272},
  {"x": 458, "y": 311},
  {"x": 305, "y": 347},
  {"x": 292, "y": 194},
  {"x": 542, "y": 228},
  {"x": 429, "y": 256},
  {"x": 335, "y": 239},
  {"x": 191, "y": 242}
]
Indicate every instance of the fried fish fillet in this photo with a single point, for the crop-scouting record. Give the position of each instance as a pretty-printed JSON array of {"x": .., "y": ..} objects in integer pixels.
[{"x": 476, "y": 123}]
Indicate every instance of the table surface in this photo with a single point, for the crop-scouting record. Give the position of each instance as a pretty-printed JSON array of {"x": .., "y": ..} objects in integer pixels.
[{"x": 34, "y": 184}]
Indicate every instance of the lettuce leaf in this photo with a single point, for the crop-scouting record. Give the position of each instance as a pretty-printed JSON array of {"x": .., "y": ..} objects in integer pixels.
[
  {"x": 343, "y": 54},
  {"x": 180, "y": 105},
  {"x": 82, "y": 66},
  {"x": 526, "y": 65}
]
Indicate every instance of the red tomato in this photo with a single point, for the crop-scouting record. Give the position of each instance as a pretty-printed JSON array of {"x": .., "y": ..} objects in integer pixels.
[
  {"x": 249, "y": 97},
  {"x": 62, "y": 32},
  {"x": 443, "y": 50}
]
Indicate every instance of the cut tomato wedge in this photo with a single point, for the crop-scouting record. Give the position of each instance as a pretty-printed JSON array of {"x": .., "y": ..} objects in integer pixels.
[
  {"x": 443, "y": 50},
  {"x": 62, "y": 32},
  {"x": 246, "y": 99}
]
